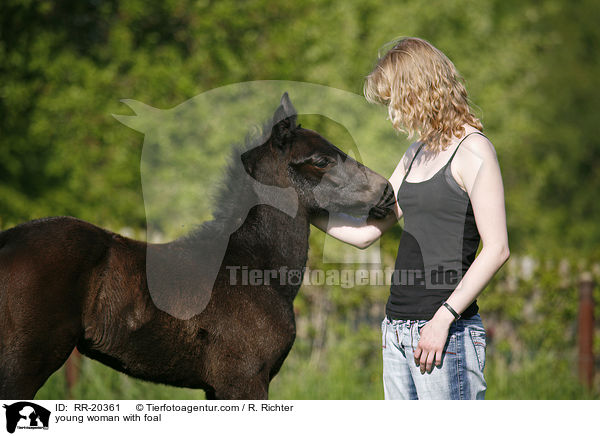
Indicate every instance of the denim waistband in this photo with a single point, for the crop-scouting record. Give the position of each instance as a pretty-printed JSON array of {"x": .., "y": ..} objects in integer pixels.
[
  {"x": 475, "y": 319},
  {"x": 408, "y": 322}
]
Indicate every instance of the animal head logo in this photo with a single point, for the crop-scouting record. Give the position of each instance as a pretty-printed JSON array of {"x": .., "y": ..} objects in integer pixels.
[
  {"x": 26, "y": 415},
  {"x": 181, "y": 146}
]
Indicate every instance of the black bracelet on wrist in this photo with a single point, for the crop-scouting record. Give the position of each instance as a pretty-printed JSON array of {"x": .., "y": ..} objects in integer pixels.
[{"x": 452, "y": 311}]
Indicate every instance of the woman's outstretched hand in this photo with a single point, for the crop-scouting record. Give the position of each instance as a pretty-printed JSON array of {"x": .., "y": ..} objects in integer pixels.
[{"x": 433, "y": 340}]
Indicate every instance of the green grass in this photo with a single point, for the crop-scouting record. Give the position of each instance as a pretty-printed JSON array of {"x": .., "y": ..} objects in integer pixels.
[
  {"x": 348, "y": 367},
  {"x": 99, "y": 382},
  {"x": 540, "y": 376}
]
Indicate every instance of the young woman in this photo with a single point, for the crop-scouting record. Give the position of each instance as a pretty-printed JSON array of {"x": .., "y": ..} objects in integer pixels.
[{"x": 449, "y": 189}]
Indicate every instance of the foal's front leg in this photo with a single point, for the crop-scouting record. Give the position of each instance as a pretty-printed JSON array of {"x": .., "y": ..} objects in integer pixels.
[{"x": 240, "y": 388}]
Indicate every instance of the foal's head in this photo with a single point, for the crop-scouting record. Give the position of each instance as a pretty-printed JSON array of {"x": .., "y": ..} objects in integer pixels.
[{"x": 324, "y": 177}]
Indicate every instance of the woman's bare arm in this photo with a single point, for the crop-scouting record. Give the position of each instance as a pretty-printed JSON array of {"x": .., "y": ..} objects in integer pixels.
[
  {"x": 486, "y": 192},
  {"x": 358, "y": 232}
]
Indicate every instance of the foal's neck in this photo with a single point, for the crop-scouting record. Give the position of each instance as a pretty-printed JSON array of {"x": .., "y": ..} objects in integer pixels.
[
  {"x": 276, "y": 238},
  {"x": 271, "y": 240}
]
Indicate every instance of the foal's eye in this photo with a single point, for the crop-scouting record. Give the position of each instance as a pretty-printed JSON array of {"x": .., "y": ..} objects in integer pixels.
[{"x": 321, "y": 163}]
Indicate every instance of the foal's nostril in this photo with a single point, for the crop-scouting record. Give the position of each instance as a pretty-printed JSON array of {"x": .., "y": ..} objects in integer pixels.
[
  {"x": 388, "y": 194},
  {"x": 387, "y": 198},
  {"x": 385, "y": 204}
]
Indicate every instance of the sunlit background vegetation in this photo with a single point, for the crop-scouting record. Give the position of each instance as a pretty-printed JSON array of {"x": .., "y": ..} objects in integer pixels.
[{"x": 531, "y": 69}]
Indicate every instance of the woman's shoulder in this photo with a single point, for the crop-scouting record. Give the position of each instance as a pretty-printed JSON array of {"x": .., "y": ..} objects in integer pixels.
[
  {"x": 476, "y": 143},
  {"x": 409, "y": 154},
  {"x": 402, "y": 166},
  {"x": 475, "y": 151}
]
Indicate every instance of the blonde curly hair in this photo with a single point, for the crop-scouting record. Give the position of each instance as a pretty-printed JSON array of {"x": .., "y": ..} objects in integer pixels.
[{"x": 423, "y": 91}]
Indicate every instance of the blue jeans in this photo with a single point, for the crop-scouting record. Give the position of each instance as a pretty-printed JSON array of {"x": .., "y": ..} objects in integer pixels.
[{"x": 460, "y": 377}]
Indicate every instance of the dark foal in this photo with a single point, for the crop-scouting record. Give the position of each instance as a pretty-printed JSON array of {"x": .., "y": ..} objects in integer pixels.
[{"x": 65, "y": 283}]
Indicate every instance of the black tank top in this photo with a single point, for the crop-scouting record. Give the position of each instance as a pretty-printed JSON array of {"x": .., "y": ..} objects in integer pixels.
[{"x": 438, "y": 244}]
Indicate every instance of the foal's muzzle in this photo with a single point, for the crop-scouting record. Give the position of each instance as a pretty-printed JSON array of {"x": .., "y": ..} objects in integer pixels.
[{"x": 385, "y": 204}]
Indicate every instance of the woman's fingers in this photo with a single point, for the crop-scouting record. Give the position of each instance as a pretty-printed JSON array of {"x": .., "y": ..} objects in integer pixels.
[
  {"x": 430, "y": 349},
  {"x": 417, "y": 354},
  {"x": 438, "y": 357},
  {"x": 425, "y": 359},
  {"x": 430, "y": 358}
]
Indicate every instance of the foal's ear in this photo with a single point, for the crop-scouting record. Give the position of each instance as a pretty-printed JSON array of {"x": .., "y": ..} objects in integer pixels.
[{"x": 284, "y": 123}]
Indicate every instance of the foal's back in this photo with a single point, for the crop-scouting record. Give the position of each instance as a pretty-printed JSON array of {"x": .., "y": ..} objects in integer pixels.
[{"x": 47, "y": 269}]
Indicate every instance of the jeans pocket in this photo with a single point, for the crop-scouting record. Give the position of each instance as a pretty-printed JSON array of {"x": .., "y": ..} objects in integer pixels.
[
  {"x": 415, "y": 332},
  {"x": 420, "y": 325},
  {"x": 479, "y": 342}
]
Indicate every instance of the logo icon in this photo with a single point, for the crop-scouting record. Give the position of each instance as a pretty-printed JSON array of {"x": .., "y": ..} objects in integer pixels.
[{"x": 26, "y": 415}]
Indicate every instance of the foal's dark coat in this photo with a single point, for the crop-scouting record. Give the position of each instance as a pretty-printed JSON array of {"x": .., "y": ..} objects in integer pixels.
[{"x": 65, "y": 283}]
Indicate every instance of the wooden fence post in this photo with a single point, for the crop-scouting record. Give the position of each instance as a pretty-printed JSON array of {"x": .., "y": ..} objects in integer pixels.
[{"x": 586, "y": 329}]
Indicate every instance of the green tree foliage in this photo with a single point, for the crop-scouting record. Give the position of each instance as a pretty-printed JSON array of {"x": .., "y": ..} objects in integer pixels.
[{"x": 531, "y": 69}]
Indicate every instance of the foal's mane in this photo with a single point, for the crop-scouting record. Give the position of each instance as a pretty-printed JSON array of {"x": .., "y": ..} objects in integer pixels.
[{"x": 231, "y": 195}]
